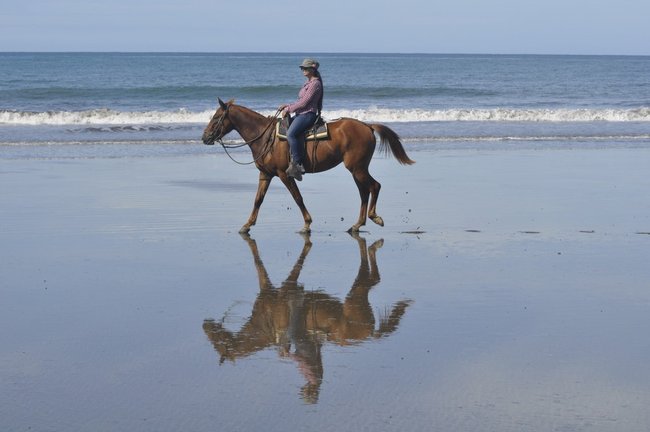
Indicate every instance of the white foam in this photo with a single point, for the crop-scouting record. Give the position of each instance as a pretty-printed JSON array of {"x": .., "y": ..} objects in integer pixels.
[
  {"x": 183, "y": 116},
  {"x": 498, "y": 115},
  {"x": 103, "y": 117}
]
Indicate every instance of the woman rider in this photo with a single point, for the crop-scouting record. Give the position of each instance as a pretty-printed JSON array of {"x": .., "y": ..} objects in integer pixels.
[{"x": 307, "y": 109}]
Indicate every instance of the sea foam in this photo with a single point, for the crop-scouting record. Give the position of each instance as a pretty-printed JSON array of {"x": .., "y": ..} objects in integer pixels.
[
  {"x": 498, "y": 115},
  {"x": 103, "y": 117},
  {"x": 183, "y": 116}
]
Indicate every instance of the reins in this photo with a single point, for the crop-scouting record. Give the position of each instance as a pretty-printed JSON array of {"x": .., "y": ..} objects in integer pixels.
[{"x": 268, "y": 145}]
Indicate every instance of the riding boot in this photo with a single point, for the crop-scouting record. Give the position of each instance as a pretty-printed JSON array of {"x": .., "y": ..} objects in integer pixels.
[{"x": 295, "y": 170}]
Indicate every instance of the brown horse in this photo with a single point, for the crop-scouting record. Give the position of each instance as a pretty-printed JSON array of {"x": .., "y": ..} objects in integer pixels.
[
  {"x": 350, "y": 141},
  {"x": 298, "y": 322}
]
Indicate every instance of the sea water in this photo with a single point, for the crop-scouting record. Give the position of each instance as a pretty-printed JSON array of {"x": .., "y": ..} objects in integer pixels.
[{"x": 121, "y": 104}]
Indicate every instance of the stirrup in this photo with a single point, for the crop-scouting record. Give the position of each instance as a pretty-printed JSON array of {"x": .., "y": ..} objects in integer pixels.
[{"x": 295, "y": 170}]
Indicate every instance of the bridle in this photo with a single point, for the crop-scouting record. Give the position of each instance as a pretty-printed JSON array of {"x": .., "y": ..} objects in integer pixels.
[
  {"x": 219, "y": 125},
  {"x": 268, "y": 145}
]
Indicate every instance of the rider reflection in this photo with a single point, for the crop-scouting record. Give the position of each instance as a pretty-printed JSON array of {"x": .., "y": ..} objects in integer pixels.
[{"x": 299, "y": 322}]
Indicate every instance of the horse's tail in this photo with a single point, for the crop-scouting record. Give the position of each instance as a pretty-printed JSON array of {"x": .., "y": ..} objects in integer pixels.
[{"x": 390, "y": 139}]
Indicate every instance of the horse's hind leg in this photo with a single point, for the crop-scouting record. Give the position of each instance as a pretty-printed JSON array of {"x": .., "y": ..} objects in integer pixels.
[
  {"x": 375, "y": 186},
  {"x": 368, "y": 188},
  {"x": 361, "y": 178}
]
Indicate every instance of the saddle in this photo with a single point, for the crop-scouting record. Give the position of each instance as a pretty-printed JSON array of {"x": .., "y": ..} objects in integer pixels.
[{"x": 317, "y": 132}]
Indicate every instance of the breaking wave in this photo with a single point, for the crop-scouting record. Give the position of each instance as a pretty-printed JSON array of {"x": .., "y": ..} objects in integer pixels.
[
  {"x": 183, "y": 116},
  {"x": 102, "y": 117},
  {"x": 499, "y": 115}
]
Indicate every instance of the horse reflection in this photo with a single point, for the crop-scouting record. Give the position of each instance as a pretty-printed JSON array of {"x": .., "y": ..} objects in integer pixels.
[{"x": 289, "y": 316}]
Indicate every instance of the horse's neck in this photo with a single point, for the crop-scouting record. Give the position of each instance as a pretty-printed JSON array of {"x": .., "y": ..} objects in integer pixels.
[{"x": 249, "y": 124}]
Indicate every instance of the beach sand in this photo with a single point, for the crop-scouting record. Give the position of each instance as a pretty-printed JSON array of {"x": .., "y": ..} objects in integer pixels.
[{"x": 508, "y": 291}]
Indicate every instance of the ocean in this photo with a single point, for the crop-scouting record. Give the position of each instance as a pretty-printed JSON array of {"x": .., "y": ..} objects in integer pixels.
[{"x": 78, "y": 105}]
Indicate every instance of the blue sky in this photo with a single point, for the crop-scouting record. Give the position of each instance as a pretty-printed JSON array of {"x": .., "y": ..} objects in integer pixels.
[{"x": 404, "y": 26}]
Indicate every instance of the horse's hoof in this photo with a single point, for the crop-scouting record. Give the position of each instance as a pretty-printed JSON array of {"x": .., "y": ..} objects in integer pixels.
[
  {"x": 305, "y": 230},
  {"x": 353, "y": 229},
  {"x": 245, "y": 230},
  {"x": 378, "y": 220}
]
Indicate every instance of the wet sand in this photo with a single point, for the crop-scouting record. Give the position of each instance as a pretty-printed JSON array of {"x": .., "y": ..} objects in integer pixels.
[{"x": 508, "y": 291}]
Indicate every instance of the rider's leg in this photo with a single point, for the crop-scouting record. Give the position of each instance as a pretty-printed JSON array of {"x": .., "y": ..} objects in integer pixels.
[{"x": 296, "y": 137}]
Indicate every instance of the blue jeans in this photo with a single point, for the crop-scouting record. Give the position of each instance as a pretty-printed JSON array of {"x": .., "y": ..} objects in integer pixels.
[{"x": 296, "y": 134}]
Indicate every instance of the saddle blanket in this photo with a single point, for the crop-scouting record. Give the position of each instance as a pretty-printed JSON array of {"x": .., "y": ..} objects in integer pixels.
[{"x": 318, "y": 132}]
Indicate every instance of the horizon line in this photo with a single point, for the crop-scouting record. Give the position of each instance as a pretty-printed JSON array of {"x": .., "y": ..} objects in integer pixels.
[{"x": 322, "y": 53}]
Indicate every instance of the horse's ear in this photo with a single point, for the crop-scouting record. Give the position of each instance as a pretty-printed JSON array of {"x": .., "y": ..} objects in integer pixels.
[{"x": 221, "y": 103}]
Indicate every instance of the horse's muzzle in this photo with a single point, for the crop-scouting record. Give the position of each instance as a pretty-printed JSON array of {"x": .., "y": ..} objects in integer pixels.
[{"x": 207, "y": 139}]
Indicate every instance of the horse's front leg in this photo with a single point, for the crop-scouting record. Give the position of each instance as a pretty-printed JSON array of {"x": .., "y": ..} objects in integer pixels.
[
  {"x": 290, "y": 183},
  {"x": 262, "y": 187}
]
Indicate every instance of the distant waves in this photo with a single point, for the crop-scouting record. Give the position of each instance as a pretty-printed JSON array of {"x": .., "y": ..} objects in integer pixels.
[
  {"x": 183, "y": 116},
  {"x": 102, "y": 117}
]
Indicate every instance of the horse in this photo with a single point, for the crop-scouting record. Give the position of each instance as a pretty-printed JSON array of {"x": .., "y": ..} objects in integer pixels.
[
  {"x": 289, "y": 315},
  {"x": 350, "y": 141}
]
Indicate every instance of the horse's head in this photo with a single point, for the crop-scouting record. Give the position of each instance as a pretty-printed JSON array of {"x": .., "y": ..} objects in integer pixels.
[
  {"x": 222, "y": 340},
  {"x": 219, "y": 124}
]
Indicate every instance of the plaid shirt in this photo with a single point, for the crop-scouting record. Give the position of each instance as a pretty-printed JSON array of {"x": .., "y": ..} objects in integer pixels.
[{"x": 308, "y": 98}]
